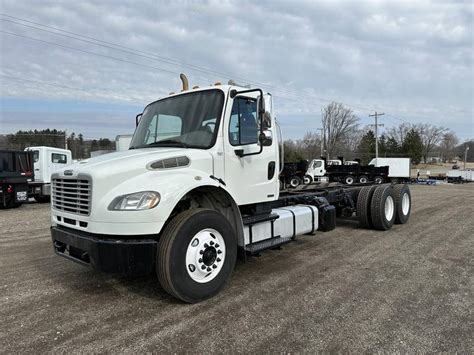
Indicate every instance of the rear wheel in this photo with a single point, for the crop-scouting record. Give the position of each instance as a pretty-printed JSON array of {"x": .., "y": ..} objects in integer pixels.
[
  {"x": 295, "y": 181},
  {"x": 363, "y": 179},
  {"x": 382, "y": 208},
  {"x": 348, "y": 180},
  {"x": 402, "y": 198},
  {"x": 378, "y": 179},
  {"x": 363, "y": 206},
  {"x": 196, "y": 255}
]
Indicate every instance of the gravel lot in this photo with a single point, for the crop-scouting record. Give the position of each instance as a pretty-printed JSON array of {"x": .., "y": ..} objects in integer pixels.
[{"x": 350, "y": 290}]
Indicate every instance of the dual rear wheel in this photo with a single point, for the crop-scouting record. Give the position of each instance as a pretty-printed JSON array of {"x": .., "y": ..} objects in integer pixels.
[{"x": 379, "y": 207}]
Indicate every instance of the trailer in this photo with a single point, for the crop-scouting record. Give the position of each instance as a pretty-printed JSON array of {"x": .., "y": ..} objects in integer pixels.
[
  {"x": 46, "y": 161},
  {"x": 460, "y": 176},
  {"x": 16, "y": 171},
  {"x": 198, "y": 188}
]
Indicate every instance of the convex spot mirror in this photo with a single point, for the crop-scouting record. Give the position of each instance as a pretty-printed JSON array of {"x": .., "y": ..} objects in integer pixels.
[
  {"x": 266, "y": 120},
  {"x": 265, "y": 138}
]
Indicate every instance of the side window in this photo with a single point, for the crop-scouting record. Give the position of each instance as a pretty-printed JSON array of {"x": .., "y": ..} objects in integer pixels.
[
  {"x": 163, "y": 127},
  {"x": 59, "y": 158},
  {"x": 243, "y": 127},
  {"x": 317, "y": 164},
  {"x": 35, "y": 156}
]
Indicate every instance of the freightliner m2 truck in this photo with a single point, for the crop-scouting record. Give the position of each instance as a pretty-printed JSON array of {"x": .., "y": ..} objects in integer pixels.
[{"x": 198, "y": 188}]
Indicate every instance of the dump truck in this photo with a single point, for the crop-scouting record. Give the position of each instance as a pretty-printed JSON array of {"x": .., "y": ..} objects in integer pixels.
[
  {"x": 16, "y": 171},
  {"x": 198, "y": 188}
]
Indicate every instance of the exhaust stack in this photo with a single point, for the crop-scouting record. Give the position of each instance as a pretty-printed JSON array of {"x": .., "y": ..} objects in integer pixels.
[{"x": 185, "y": 82}]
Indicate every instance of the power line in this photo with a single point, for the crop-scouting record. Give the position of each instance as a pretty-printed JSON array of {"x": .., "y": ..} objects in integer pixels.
[{"x": 152, "y": 56}]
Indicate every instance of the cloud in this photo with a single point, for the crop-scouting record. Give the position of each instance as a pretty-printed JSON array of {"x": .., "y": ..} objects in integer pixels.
[{"x": 413, "y": 60}]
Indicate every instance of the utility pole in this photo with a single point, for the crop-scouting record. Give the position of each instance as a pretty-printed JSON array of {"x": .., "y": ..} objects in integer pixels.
[
  {"x": 65, "y": 140},
  {"x": 465, "y": 155},
  {"x": 376, "y": 125},
  {"x": 322, "y": 141}
]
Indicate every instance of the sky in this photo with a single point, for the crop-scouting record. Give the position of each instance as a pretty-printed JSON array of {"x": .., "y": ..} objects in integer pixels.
[{"x": 90, "y": 66}]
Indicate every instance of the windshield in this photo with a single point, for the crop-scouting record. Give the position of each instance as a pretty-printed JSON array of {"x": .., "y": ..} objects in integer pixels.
[{"x": 189, "y": 121}]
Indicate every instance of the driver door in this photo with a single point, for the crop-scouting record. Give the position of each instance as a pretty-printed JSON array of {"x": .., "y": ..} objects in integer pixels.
[{"x": 252, "y": 178}]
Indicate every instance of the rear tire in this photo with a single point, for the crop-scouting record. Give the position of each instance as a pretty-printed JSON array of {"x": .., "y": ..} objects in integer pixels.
[
  {"x": 378, "y": 179},
  {"x": 349, "y": 180},
  {"x": 402, "y": 198},
  {"x": 363, "y": 206},
  {"x": 383, "y": 208},
  {"x": 363, "y": 179},
  {"x": 295, "y": 181},
  {"x": 181, "y": 244}
]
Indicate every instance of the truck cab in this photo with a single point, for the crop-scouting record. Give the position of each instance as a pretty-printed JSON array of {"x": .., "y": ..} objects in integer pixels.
[{"x": 47, "y": 160}]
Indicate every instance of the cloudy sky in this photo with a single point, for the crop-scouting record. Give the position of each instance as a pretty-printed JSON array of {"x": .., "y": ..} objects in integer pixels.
[{"x": 91, "y": 66}]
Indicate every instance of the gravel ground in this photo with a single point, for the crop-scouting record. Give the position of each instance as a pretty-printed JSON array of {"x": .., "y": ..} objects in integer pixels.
[{"x": 349, "y": 290}]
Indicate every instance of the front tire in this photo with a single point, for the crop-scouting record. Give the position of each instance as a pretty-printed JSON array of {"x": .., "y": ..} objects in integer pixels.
[
  {"x": 42, "y": 199},
  {"x": 307, "y": 179},
  {"x": 188, "y": 266}
]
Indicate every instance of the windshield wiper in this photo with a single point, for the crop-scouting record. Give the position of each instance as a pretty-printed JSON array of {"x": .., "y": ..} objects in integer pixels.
[{"x": 167, "y": 143}]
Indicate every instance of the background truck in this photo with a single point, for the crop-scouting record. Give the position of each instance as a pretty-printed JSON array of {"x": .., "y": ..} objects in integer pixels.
[
  {"x": 16, "y": 171},
  {"x": 122, "y": 142},
  {"x": 199, "y": 187},
  {"x": 460, "y": 176},
  {"x": 378, "y": 171},
  {"x": 46, "y": 161}
]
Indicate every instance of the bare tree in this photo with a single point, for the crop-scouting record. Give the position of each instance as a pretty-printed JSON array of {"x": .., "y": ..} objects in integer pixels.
[
  {"x": 448, "y": 144},
  {"x": 338, "y": 122},
  {"x": 398, "y": 133},
  {"x": 430, "y": 136},
  {"x": 311, "y": 145}
]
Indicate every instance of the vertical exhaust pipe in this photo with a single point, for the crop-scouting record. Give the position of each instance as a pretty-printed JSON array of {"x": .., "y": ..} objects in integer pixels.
[{"x": 185, "y": 82}]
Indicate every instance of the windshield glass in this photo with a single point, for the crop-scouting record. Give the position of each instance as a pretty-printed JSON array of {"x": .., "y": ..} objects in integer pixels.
[{"x": 189, "y": 121}]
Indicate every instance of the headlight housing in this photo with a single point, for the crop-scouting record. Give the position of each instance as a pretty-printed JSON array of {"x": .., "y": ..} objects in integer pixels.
[{"x": 137, "y": 201}]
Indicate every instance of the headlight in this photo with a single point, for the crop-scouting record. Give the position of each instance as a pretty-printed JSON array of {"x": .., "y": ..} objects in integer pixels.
[{"x": 135, "y": 202}]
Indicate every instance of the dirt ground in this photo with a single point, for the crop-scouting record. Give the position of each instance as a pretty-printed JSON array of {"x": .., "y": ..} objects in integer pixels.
[{"x": 349, "y": 290}]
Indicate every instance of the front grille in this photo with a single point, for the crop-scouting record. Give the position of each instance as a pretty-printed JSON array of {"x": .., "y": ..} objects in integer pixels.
[{"x": 72, "y": 195}]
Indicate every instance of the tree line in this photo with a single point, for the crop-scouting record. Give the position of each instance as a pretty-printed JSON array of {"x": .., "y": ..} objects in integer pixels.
[
  {"x": 342, "y": 135},
  {"x": 79, "y": 147}
]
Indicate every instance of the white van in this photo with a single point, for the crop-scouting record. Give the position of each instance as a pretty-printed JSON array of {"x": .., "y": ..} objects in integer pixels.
[{"x": 46, "y": 161}]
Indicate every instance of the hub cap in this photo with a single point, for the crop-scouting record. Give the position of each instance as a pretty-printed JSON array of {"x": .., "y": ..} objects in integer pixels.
[
  {"x": 205, "y": 255},
  {"x": 389, "y": 208},
  {"x": 405, "y": 204}
]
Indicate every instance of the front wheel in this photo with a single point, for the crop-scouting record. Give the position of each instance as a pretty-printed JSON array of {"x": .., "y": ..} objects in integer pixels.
[
  {"x": 196, "y": 255},
  {"x": 295, "y": 181},
  {"x": 42, "y": 198},
  {"x": 307, "y": 179}
]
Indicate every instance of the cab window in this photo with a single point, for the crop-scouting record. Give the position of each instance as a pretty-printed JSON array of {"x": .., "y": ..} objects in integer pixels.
[
  {"x": 35, "y": 156},
  {"x": 243, "y": 127},
  {"x": 59, "y": 158},
  {"x": 317, "y": 164},
  {"x": 163, "y": 127}
]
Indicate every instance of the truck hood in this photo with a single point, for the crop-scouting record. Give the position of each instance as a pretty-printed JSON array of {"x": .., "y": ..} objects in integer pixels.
[{"x": 125, "y": 164}]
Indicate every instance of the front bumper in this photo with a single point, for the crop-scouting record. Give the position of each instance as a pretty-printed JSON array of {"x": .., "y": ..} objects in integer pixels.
[{"x": 106, "y": 253}]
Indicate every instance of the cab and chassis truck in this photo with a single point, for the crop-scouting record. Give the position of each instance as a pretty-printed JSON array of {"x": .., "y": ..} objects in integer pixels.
[{"x": 198, "y": 188}]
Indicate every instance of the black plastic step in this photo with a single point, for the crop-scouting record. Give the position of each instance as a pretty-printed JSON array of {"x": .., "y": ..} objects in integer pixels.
[
  {"x": 271, "y": 243},
  {"x": 248, "y": 220}
]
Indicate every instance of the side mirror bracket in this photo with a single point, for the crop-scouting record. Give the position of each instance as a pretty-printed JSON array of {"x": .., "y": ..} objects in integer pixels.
[{"x": 137, "y": 118}]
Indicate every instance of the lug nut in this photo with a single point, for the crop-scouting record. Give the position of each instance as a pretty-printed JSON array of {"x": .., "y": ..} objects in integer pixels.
[
  {"x": 214, "y": 266},
  {"x": 200, "y": 260},
  {"x": 203, "y": 267},
  {"x": 206, "y": 245},
  {"x": 201, "y": 252},
  {"x": 218, "y": 259},
  {"x": 211, "y": 242},
  {"x": 219, "y": 252},
  {"x": 217, "y": 245},
  {"x": 208, "y": 269}
]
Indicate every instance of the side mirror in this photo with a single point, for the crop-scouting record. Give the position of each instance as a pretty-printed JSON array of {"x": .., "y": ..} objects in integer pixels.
[
  {"x": 265, "y": 138},
  {"x": 266, "y": 120},
  {"x": 137, "y": 118}
]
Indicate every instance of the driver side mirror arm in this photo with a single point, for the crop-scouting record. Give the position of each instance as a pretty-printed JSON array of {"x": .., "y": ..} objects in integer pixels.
[{"x": 137, "y": 118}]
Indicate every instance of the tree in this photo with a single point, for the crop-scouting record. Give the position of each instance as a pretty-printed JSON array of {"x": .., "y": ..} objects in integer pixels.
[
  {"x": 398, "y": 133},
  {"x": 293, "y": 153},
  {"x": 448, "y": 144},
  {"x": 392, "y": 147},
  {"x": 367, "y": 146},
  {"x": 338, "y": 122},
  {"x": 430, "y": 137},
  {"x": 412, "y": 146},
  {"x": 311, "y": 145}
]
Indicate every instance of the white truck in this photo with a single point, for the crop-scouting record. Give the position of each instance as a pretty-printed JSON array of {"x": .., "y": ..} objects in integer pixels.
[
  {"x": 46, "y": 161},
  {"x": 197, "y": 188}
]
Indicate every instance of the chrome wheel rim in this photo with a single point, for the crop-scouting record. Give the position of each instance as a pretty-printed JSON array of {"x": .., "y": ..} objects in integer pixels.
[
  {"x": 205, "y": 255},
  {"x": 389, "y": 208}
]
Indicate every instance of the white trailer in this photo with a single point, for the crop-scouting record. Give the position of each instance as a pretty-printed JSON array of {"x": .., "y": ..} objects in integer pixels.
[
  {"x": 399, "y": 168},
  {"x": 460, "y": 175},
  {"x": 47, "y": 160},
  {"x": 198, "y": 187}
]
